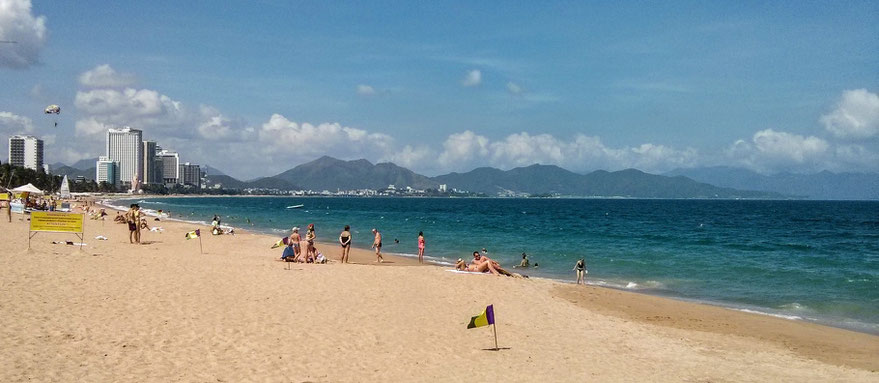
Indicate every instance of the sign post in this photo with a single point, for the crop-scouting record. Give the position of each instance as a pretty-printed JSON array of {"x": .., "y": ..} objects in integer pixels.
[{"x": 56, "y": 222}]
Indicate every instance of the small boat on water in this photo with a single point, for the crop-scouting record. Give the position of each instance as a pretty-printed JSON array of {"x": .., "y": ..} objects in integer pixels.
[{"x": 295, "y": 206}]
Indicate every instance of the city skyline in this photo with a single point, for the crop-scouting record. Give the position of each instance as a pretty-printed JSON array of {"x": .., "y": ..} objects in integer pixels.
[{"x": 257, "y": 89}]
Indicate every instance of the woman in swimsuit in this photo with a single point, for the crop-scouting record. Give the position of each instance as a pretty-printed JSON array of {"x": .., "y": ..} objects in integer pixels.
[
  {"x": 310, "y": 237},
  {"x": 420, "y": 247},
  {"x": 580, "y": 268},
  {"x": 345, "y": 241}
]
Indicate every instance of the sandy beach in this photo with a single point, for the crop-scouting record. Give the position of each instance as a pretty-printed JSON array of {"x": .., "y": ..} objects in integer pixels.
[{"x": 162, "y": 311}]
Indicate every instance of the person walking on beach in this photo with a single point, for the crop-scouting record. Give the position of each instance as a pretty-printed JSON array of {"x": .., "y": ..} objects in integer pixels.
[
  {"x": 580, "y": 268},
  {"x": 420, "y": 247},
  {"x": 310, "y": 237},
  {"x": 345, "y": 241},
  {"x": 377, "y": 245}
]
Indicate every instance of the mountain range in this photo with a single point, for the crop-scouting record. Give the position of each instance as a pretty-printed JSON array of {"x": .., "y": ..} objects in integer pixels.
[
  {"x": 824, "y": 185},
  {"x": 328, "y": 173}
]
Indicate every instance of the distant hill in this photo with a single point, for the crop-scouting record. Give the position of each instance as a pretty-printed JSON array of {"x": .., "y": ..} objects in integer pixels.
[
  {"x": 823, "y": 185},
  {"x": 227, "y": 182},
  {"x": 633, "y": 183},
  {"x": 210, "y": 170},
  {"x": 72, "y": 173},
  {"x": 328, "y": 173},
  {"x": 88, "y": 163}
]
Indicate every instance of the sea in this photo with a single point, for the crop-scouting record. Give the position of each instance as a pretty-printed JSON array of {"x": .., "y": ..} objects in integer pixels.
[{"x": 814, "y": 261}]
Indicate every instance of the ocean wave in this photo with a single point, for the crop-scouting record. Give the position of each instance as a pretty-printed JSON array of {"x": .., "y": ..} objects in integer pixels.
[
  {"x": 793, "y": 306},
  {"x": 791, "y": 317}
]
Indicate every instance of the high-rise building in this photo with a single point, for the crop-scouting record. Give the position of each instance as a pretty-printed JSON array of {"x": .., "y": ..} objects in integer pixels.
[
  {"x": 151, "y": 172},
  {"x": 190, "y": 174},
  {"x": 26, "y": 151},
  {"x": 105, "y": 171},
  {"x": 168, "y": 162},
  {"x": 125, "y": 146}
]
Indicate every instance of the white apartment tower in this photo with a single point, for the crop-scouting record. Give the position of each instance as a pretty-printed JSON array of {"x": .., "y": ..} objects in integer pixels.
[
  {"x": 26, "y": 151},
  {"x": 125, "y": 146}
]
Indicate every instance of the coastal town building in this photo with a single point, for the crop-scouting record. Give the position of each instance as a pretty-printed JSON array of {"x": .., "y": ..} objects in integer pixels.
[
  {"x": 26, "y": 151},
  {"x": 190, "y": 175},
  {"x": 125, "y": 146},
  {"x": 168, "y": 163},
  {"x": 152, "y": 173},
  {"x": 106, "y": 171}
]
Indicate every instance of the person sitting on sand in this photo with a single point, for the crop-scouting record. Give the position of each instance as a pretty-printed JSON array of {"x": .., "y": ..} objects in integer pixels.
[
  {"x": 580, "y": 268},
  {"x": 482, "y": 264},
  {"x": 119, "y": 218},
  {"x": 143, "y": 224},
  {"x": 461, "y": 265},
  {"x": 289, "y": 254}
]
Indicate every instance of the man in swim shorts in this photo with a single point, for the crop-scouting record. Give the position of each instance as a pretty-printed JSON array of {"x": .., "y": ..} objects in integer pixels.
[{"x": 377, "y": 244}]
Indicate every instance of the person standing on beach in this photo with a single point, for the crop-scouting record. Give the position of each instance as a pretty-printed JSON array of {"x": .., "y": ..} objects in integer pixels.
[
  {"x": 377, "y": 245},
  {"x": 345, "y": 241},
  {"x": 580, "y": 268},
  {"x": 420, "y": 247},
  {"x": 9, "y": 211},
  {"x": 137, "y": 220},
  {"x": 294, "y": 241},
  {"x": 132, "y": 222},
  {"x": 310, "y": 237}
]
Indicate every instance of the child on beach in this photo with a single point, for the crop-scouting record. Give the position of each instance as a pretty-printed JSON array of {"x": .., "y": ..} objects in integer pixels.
[{"x": 580, "y": 268}]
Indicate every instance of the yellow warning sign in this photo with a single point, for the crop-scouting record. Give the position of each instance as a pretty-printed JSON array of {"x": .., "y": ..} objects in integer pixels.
[{"x": 56, "y": 222}]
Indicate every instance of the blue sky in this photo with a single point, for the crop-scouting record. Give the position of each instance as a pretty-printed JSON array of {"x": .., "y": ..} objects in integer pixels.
[{"x": 255, "y": 88}]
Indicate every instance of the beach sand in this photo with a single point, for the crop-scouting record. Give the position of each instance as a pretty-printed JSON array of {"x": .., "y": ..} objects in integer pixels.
[{"x": 162, "y": 311}]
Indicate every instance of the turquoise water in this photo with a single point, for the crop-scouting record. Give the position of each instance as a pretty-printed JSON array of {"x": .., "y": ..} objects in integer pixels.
[{"x": 809, "y": 260}]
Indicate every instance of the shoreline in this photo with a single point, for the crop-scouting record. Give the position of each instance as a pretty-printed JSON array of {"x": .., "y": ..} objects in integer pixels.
[
  {"x": 120, "y": 298},
  {"x": 858, "y": 327}
]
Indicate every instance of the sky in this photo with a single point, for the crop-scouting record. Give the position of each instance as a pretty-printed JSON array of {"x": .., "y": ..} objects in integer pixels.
[{"x": 255, "y": 88}]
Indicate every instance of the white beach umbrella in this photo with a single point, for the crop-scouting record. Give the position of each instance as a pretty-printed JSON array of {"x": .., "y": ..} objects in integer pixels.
[{"x": 28, "y": 188}]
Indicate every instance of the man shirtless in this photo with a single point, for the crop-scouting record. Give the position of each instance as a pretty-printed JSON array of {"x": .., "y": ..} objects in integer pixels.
[
  {"x": 377, "y": 244},
  {"x": 482, "y": 264}
]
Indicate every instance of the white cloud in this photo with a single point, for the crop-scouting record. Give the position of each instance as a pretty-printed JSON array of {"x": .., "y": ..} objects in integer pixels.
[
  {"x": 466, "y": 150},
  {"x": 410, "y": 157},
  {"x": 770, "y": 151},
  {"x": 365, "y": 90},
  {"x": 104, "y": 76},
  {"x": 26, "y": 34},
  {"x": 856, "y": 115},
  {"x": 513, "y": 88},
  {"x": 11, "y": 124},
  {"x": 472, "y": 78},
  {"x": 287, "y": 139},
  {"x": 462, "y": 148},
  {"x": 123, "y": 105}
]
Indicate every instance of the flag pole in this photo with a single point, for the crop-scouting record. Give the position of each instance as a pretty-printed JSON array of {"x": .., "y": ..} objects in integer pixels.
[
  {"x": 494, "y": 327},
  {"x": 200, "y": 249}
]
